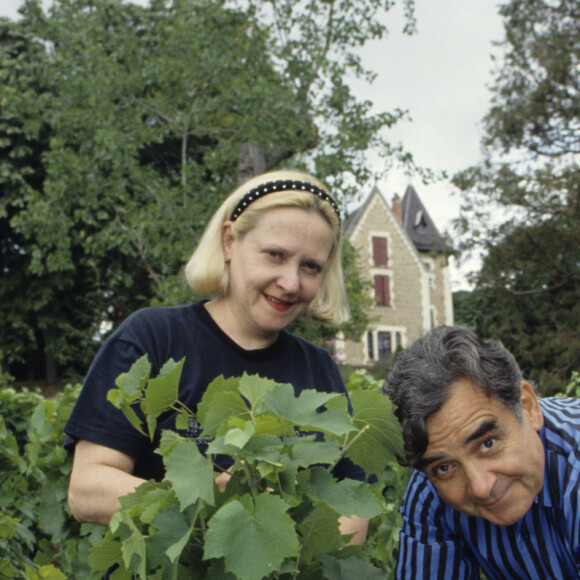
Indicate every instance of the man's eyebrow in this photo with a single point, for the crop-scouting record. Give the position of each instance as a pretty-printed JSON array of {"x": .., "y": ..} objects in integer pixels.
[{"x": 485, "y": 428}]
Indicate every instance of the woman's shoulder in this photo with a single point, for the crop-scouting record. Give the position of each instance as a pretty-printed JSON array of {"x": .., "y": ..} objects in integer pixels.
[
  {"x": 309, "y": 348},
  {"x": 152, "y": 316}
]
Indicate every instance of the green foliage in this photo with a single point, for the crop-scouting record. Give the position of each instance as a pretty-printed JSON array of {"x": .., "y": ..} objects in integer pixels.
[
  {"x": 466, "y": 309},
  {"x": 120, "y": 131},
  {"x": 166, "y": 525},
  {"x": 278, "y": 515},
  {"x": 573, "y": 387},
  {"x": 38, "y": 538},
  {"x": 522, "y": 203}
]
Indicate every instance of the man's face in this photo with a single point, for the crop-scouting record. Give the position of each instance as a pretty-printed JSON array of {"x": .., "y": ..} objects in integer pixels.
[{"x": 482, "y": 460}]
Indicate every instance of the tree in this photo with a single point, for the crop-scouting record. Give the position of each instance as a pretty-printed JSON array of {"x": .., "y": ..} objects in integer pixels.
[
  {"x": 315, "y": 47},
  {"x": 522, "y": 203},
  {"x": 143, "y": 118},
  {"x": 30, "y": 301}
]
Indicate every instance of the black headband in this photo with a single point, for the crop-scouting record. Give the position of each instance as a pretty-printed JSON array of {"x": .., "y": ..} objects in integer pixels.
[{"x": 282, "y": 185}]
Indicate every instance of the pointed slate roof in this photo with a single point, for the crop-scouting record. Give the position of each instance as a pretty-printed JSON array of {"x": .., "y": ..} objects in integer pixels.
[
  {"x": 353, "y": 218},
  {"x": 418, "y": 224}
]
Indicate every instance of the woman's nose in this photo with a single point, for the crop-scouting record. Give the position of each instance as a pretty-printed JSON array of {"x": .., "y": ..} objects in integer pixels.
[{"x": 289, "y": 279}]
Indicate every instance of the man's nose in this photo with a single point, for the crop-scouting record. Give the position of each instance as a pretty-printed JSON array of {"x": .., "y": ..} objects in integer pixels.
[{"x": 480, "y": 481}]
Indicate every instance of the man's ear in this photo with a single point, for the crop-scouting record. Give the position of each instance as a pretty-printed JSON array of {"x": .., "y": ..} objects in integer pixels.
[
  {"x": 531, "y": 406},
  {"x": 227, "y": 240}
]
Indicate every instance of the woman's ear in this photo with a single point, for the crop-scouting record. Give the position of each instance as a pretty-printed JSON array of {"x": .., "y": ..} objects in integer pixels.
[
  {"x": 531, "y": 406},
  {"x": 227, "y": 240}
]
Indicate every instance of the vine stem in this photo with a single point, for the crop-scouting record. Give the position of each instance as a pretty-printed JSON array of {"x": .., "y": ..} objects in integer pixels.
[
  {"x": 354, "y": 439},
  {"x": 249, "y": 478},
  {"x": 347, "y": 447}
]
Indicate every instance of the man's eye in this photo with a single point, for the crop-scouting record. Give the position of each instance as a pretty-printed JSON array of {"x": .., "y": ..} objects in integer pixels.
[
  {"x": 442, "y": 471},
  {"x": 488, "y": 444}
]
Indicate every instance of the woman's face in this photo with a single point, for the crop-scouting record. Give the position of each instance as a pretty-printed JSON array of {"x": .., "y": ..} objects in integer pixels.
[{"x": 275, "y": 271}]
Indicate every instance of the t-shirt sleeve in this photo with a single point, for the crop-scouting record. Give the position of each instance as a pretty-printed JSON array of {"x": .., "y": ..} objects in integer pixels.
[
  {"x": 94, "y": 418},
  {"x": 427, "y": 548}
]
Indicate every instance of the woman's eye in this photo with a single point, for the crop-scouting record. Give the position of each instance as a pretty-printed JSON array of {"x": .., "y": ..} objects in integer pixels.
[
  {"x": 274, "y": 254},
  {"x": 313, "y": 268}
]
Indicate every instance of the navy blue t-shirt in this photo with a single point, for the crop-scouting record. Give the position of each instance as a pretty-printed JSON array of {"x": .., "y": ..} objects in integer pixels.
[{"x": 190, "y": 332}]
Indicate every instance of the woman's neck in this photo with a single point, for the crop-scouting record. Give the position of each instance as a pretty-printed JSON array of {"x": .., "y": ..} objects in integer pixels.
[{"x": 228, "y": 321}]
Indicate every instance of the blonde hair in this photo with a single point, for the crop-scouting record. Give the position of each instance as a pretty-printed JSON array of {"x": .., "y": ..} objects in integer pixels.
[{"x": 207, "y": 272}]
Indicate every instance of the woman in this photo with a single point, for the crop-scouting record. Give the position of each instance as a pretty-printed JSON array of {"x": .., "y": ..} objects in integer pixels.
[{"x": 270, "y": 253}]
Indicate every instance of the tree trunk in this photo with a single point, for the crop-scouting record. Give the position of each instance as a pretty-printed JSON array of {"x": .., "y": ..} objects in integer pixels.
[
  {"x": 48, "y": 332},
  {"x": 251, "y": 161},
  {"x": 50, "y": 364}
]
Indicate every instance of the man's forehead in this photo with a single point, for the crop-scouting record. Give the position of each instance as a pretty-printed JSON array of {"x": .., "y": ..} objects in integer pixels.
[{"x": 463, "y": 413}]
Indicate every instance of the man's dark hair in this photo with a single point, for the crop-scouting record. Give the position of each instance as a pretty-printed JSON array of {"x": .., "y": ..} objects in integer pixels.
[{"x": 419, "y": 383}]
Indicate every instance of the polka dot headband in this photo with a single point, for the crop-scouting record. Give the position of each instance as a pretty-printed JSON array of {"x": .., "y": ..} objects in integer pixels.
[{"x": 279, "y": 186}]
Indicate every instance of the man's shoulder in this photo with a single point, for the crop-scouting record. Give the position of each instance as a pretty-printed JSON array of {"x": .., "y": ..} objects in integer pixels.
[
  {"x": 421, "y": 496},
  {"x": 561, "y": 419}
]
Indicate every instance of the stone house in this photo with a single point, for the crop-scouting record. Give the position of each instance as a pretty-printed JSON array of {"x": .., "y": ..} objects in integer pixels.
[{"x": 403, "y": 255}]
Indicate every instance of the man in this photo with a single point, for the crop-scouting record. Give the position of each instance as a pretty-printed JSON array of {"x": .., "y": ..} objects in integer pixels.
[{"x": 496, "y": 480}]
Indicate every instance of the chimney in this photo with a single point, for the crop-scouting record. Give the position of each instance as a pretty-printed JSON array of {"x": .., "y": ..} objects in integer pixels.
[{"x": 398, "y": 207}]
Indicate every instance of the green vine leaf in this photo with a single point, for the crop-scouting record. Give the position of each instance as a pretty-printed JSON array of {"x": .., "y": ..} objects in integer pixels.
[
  {"x": 117, "y": 398},
  {"x": 185, "y": 464},
  {"x": 239, "y": 437},
  {"x": 172, "y": 537},
  {"x": 133, "y": 547},
  {"x": 302, "y": 410},
  {"x": 239, "y": 531},
  {"x": 106, "y": 553},
  {"x": 216, "y": 571},
  {"x": 221, "y": 401},
  {"x": 308, "y": 452},
  {"x": 162, "y": 391},
  {"x": 347, "y": 497},
  {"x": 335, "y": 569},
  {"x": 255, "y": 389},
  {"x": 133, "y": 382},
  {"x": 158, "y": 499},
  {"x": 319, "y": 531},
  {"x": 382, "y": 441}
]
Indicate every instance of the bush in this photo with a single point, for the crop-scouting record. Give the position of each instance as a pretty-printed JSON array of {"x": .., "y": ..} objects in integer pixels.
[
  {"x": 40, "y": 540},
  {"x": 278, "y": 515},
  {"x": 38, "y": 537}
]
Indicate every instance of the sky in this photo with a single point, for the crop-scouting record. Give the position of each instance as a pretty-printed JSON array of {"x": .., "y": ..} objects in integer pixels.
[{"x": 441, "y": 74}]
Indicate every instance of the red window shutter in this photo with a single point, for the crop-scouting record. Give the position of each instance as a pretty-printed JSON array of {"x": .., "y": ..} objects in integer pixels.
[
  {"x": 382, "y": 290},
  {"x": 380, "y": 255}
]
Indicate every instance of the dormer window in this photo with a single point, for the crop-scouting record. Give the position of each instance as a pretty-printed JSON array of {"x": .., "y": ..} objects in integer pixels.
[{"x": 420, "y": 221}]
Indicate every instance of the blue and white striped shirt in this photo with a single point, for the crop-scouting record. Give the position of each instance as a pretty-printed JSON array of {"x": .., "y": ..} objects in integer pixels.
[{"x": 437, "y": 541}]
